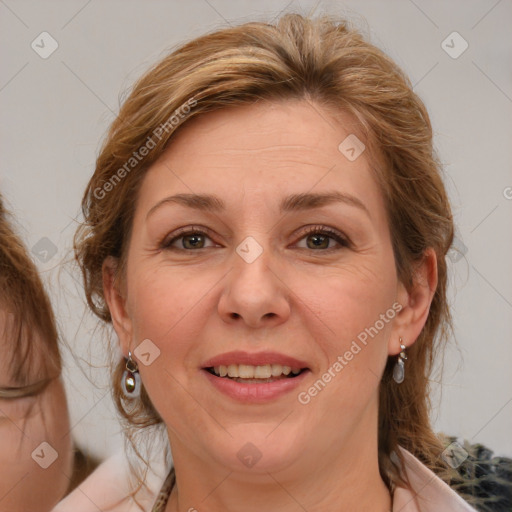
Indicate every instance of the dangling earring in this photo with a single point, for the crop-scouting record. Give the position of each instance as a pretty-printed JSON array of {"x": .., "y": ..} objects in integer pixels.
[
  {"x": 399, "y": 369},
  {"x": 131, "y": 379}
]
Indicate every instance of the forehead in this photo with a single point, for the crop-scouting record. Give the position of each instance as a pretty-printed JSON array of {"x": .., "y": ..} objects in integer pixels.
[{"x": 263, "y": 150}]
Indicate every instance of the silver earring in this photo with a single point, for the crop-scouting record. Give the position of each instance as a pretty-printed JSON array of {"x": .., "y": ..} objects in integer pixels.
[
  {"x": 399, "y": 369},
  {"x": 131, "y": 383}
]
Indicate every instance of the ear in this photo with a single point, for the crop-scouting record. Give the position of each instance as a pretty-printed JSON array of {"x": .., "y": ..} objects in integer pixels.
[
  {"x": 415, "y": 303},
  {"x": 116, "y": 303}
]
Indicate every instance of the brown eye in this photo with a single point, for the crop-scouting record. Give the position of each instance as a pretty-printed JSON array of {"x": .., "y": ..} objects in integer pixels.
[
  {"x": 195, "y": 241},
  {"x": 188, "y": 240},
  {"x": 322, "y": 238},
  {"x": 318, "y": 241}
]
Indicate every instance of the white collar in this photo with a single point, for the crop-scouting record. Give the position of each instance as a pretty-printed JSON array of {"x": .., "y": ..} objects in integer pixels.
[{"x": 428, "y": 492}]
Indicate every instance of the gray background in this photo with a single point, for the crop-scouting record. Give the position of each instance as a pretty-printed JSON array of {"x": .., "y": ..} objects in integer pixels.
[{"x": 55, "y": 112}]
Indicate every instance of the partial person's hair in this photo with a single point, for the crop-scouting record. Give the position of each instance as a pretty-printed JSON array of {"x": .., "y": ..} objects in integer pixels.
[
  {"x": 29, "y": 332},
  {"x": 29, "y": 339},
  {"x": 328, "y": 63}
]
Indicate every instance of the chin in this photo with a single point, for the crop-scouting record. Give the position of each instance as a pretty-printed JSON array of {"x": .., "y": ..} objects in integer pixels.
[{"x": 258, "y": 453}]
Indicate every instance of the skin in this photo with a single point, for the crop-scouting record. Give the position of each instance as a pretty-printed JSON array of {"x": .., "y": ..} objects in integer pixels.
[
  {"x": 295, "y": 298},
  {"x": 25, "y": 423}
]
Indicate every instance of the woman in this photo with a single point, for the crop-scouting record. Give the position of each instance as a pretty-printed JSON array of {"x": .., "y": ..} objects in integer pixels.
[
  {"x": 266, "y": 230},
  {"x": 36, "y": 458}
]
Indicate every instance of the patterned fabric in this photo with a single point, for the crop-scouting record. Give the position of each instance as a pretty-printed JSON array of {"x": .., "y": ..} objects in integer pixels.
[{"x": 482, "y": 479}]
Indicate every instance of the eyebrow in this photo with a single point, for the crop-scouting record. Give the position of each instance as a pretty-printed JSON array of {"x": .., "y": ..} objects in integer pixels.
[{"x": 292, "y": 203}]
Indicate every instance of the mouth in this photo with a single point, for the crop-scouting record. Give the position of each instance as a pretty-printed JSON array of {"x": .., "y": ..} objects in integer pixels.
[
  {"x": 250, "y": 374},
  {"x": 255, "y": 378}
]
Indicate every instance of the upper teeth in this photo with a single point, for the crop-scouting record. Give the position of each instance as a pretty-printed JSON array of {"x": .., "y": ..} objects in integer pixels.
[{"x": 246, "y": 371}]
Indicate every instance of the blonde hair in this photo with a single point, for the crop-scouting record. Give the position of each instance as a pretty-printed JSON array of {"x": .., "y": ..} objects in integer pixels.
[{"x": 322, "y": 60}]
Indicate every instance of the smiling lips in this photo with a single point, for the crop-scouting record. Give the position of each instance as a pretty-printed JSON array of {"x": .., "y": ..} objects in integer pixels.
[
  {"x": 262, "y": 367},
  {"x": 255, "y": 390}
]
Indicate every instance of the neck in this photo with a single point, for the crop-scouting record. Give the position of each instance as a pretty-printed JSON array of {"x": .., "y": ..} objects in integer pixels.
[{"x": 344, "y": 480}]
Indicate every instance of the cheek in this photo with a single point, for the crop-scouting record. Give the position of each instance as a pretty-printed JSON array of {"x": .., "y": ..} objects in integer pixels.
[
  {"x": 350, "y": 313},
  {"x": 162, "y": 301},
  {"x": 345, "y": 301},
  {"x": 171, "y": 311}
]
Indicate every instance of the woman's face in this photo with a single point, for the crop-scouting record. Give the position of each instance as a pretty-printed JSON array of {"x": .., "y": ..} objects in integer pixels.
[{"x": 257, "y": 240}]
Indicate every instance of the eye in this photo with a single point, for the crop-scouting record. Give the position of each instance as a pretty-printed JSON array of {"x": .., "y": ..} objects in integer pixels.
[
  {"x": 188, "y": 239},
  {"x": 323, "y": 238},
  {"x": 315, "y": 237}
]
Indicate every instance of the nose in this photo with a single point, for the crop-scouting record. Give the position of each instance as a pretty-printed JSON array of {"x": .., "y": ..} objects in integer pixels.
[{"x": 254, "y": 294}]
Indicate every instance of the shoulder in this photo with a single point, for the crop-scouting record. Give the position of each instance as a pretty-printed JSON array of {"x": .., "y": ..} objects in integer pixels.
[
  {"x": 427, "y": 492},
  {"x": 109, "y": 488}
]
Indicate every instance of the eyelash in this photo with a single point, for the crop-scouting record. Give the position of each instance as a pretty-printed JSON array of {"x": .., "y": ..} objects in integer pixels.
[{"x": 321, "y": 230}]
